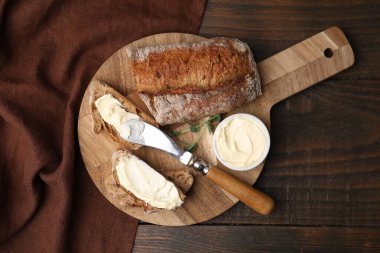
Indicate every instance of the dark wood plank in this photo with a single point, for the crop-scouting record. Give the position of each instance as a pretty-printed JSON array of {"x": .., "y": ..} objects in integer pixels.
[
  {"x": 255, "y": 239},
  {"x": 324, "y": 162},
  {"x": 271, "y": 26}
]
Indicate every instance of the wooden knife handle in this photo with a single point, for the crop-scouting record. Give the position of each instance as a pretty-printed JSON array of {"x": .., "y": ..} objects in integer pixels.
[{"x": 255, "y": 199}]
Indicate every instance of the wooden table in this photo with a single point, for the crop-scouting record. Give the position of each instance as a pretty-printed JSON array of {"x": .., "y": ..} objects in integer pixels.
[{"x": 324, "y": 165}]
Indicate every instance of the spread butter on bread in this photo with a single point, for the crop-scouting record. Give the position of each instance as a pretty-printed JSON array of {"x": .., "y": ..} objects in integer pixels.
[
  {"x": 135, "y": 183},
  {"x": 104, "y": 100},
  {"x": 189, "y": 81}
]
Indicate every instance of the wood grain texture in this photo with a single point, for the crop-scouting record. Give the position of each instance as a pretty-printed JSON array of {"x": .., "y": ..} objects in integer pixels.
[
  {"x": 324, "y": 165},
  {"x": 283, "y": 75},
  {"x": 270, "y": 26},
  {"x": 258, "y": 201},
  {"x": 314, "y": 186},
  {"x": 228, "y": 239}
]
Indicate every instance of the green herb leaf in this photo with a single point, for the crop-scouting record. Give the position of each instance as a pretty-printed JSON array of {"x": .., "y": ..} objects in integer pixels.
[
  {"x": 191, "y": 147},
  {"x": 194, "y": 128},
  {"x": 174, "y": 133},
  {"x": 209, "y": 127},
  {"x": 216, "y": 118}
]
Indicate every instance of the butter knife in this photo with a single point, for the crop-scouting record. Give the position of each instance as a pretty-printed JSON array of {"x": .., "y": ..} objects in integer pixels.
[{"x": 142, "y": 133}]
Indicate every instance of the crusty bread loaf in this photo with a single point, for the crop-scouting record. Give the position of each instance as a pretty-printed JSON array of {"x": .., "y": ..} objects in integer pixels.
[
  {"x": 99, "y": 89},
  {"x": 169, "y": 109},
  {"x": 189, "y": 81},
  {"x": 190, "y": 67},
  {"x": 182, "y": 179}
]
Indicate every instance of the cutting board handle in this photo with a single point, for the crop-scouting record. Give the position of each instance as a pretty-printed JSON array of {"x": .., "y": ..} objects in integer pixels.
[{"x": 303, "y": 65}]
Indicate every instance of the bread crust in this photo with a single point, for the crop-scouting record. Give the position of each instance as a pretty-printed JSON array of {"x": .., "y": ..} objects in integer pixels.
[
  {"x": 99, "y": 89},
  {"x": 182, "y": 179},
  {"x": 190, "y": 67},
  {"x": 169, "y": 109},
  {"x": 189, "y": 81}
]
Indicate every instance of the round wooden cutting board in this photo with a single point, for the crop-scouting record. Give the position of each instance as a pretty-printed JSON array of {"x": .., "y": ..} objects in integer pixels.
[{"x": 282, "y": 75}]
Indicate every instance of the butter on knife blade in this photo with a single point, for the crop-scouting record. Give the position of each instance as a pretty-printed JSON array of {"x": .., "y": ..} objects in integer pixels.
[{"x": 145, "y": 134}]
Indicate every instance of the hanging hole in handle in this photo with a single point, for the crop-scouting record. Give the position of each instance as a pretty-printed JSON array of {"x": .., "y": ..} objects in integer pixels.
[{"x": 328, "y": 53}]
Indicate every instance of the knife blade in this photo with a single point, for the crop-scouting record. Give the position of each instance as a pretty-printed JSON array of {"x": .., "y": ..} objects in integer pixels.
[{"x": 140, "y": 132}]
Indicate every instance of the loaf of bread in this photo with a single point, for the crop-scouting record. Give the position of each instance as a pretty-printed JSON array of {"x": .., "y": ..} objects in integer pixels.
[
  {"x": 99, "y": 89},
  {"x": 188, "y": 81},
  {"x": 182, "y": 179}
]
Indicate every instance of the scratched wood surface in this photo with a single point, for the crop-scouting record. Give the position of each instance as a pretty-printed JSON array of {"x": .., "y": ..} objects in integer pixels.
[{"x": 324, "y": 166}]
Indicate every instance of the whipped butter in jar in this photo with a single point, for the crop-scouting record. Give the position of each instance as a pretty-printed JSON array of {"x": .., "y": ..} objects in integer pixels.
[{"x": 241, "y": 142}]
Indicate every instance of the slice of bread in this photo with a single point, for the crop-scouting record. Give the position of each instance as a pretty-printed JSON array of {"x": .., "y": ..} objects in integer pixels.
[
  {"x": 182, "y": 179},
  {"x": 99, "y": 89}
]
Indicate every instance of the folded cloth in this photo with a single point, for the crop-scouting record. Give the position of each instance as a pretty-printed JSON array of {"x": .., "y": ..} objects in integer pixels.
[{"x": 49, "y": 51}]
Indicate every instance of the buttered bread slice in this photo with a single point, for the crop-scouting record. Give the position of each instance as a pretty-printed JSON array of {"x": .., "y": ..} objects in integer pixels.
[
  {"x": 147, "y": 187},
  {"x": 110, "y": 109}
]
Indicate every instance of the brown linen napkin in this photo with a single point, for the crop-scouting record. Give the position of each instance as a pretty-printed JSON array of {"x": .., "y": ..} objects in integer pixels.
[{"x": 49, "y": 50}]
